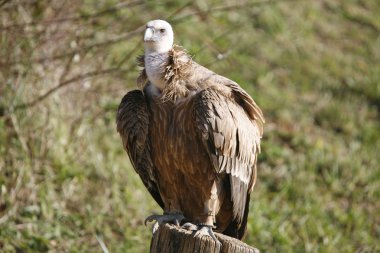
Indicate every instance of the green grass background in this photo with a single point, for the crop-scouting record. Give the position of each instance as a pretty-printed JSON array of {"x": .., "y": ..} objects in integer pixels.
[{"x": 312, "y": 66}]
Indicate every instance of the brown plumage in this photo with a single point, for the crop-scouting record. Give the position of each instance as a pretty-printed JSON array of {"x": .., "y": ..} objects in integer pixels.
[{"x": 194, "y": 143}]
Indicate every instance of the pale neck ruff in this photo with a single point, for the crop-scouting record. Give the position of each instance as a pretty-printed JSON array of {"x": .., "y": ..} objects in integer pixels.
[{"x": 155, "y": 64}]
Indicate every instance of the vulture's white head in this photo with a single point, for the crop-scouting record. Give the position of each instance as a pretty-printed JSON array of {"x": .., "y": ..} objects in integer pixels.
[{"x": 158, "y": 37}]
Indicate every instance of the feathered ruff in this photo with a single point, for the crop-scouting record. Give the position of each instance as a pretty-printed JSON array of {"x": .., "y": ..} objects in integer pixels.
[{"x": 175, "y": 74}]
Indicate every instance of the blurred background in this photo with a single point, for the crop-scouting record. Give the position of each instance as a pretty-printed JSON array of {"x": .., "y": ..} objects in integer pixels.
[{"x": 312, "y": 66}]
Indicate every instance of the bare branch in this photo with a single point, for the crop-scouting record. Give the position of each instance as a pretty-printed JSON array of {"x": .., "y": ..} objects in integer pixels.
[
  {"x": 107, "y": 42},
  {"x": 9, "y": 4},
  {"x": 179, "y": 10},
  {"x": 222, "y": 8},
  {"x": 115, "y": 8},
  {"x": 3, "y": 2},
  {"x": 65, "y": 83}
]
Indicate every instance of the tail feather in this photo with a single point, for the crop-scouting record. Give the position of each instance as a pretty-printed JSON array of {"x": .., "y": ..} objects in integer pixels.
[{"x": 238, "y": 229}]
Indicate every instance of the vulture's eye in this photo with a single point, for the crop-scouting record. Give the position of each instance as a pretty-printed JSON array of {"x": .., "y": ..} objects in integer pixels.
[{"x": 162, "y": 30}]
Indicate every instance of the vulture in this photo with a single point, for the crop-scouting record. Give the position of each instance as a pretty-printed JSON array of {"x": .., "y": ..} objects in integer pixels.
[{"x": 193, "y": 137}]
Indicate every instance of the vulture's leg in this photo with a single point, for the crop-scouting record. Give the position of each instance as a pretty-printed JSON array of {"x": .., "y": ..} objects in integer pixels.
[
  {"x": 174, "y": 218},
  {"x": 207, "y": 219}
]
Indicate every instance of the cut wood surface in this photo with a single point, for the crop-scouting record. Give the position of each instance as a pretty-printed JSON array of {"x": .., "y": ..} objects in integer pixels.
[{"x": 173, "y": 239}]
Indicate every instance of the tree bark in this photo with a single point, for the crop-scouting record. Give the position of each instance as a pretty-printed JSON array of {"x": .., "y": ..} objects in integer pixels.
[{"x": 173, "y": 239}]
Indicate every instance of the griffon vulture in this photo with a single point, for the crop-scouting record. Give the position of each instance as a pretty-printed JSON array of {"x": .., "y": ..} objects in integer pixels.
[{"x": 192, "y": 136}]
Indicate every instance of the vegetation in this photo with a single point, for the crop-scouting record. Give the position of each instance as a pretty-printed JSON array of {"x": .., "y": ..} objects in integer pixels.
[{"x": 312, "y": 66}]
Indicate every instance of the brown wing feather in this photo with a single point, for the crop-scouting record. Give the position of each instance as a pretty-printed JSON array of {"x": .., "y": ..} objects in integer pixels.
[
  {"x": 232, "y": 136},
  {"x": 133, "y": 126}
]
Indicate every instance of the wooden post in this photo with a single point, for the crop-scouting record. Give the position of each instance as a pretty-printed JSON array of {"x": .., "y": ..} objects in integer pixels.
[{"x": 172, "y": 239}]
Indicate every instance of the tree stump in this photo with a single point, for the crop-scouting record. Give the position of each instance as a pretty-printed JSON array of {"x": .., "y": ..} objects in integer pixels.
[{"x": 172, "y": 239}]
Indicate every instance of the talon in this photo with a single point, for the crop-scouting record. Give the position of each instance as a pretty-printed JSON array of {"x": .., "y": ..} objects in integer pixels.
[
  {"x": 151, "y": 218},
  {"x": 174, "y": 218},
  {"x": 207, "y": 230}
]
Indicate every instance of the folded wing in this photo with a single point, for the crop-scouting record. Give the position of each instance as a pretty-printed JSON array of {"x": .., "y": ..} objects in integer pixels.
[
  {"x": 133, "y": 126},
  {"x": 231, "y": 128}
]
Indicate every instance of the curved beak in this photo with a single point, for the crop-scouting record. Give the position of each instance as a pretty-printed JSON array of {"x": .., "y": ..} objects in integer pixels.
[{"x": 148, "y": 36}]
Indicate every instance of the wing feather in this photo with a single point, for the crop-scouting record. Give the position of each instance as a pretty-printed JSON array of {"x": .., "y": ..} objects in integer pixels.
[
  {"x": 132, "y": 122},
  {"x": 231, "y": 128}
]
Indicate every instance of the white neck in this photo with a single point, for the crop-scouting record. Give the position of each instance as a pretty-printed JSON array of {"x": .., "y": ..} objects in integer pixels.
[
  {"x": 149, "y": 49},
  {"x": 155, "y": 64}
]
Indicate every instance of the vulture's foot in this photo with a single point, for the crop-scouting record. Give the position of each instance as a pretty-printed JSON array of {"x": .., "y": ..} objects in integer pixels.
[
  {"x": 173, "y": 218},
  {"x": 203, "y": 229}
]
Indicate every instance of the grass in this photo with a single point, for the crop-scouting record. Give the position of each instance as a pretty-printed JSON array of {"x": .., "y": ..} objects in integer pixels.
[{"x": 312, "y": 66}]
